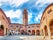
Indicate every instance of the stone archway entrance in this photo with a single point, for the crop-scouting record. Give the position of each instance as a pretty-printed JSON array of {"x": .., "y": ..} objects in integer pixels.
[
  {"x": 37, "y": 32},
  {"x": 29, "y": 32},
  {"x": 51, "y": 27},
  {"x": 1, "y": 30},
  {"x": 33, "y": 32},
  {"x": 45, "y": 29},
  {"x": 22, "y": 32}
]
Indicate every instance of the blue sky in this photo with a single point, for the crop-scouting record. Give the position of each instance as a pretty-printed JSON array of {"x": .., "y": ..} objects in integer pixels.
[{"x": 14, "y": 9}]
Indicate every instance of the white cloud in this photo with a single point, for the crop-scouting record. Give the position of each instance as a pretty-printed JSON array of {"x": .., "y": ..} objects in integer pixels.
[
  {"x": 15, "y": 2},
  {"x": 42, "y": 2},
  {"x": 13, "y": 14},
  {"x": 29, "y": 16},
  {"x": 38, "y": 17}
]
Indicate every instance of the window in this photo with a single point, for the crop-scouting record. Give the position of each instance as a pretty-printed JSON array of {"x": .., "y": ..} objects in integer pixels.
[
  {"x": 20, "y": 26},
  {"x": 43, "y": 18},
  {"x": 17, "y": 26},
  {"x": 3, "y": 17},
  {"x": 11, "y": 26},
  {"x": 37, "y": 26},
  {"x": 28, "y": 26},
  {"x": 49, "y": 11},
  {"x": 32, "y": 26}
]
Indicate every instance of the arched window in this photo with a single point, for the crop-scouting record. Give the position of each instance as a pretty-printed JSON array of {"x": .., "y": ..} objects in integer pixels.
[
  {"x": 43, "y": 18},
  {"x": 49, "y": 11},
  {"x": 37, "y": 26},
  {"x": 11, "y": 26},
  {"x": 17, "y": 26},
  {"x": 28, "y": 26},
  {"x": 32, "y": 26}
]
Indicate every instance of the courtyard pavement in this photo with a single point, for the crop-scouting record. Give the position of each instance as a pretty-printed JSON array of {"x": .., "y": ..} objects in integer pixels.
[
  {"x": 16, "y": 37},
  {"x": 23, "y": 37}
]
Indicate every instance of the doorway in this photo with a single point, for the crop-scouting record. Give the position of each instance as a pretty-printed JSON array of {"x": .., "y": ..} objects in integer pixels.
[{"x": 1, "y": 30}]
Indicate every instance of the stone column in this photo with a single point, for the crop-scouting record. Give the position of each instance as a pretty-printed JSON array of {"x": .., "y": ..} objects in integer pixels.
[
  {"x": 49, "y": 33},
  {"x": 44, "y": 31},
  {"x": 35, "y": 32},
  {"x": 41, "y": 33}
]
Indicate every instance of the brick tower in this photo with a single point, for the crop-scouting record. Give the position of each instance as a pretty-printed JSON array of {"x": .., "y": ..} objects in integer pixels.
[{"x": 25, "y": 17}]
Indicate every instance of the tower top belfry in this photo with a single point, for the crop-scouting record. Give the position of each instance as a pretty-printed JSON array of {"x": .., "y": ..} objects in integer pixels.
[{"x": 25, "y": 17}]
